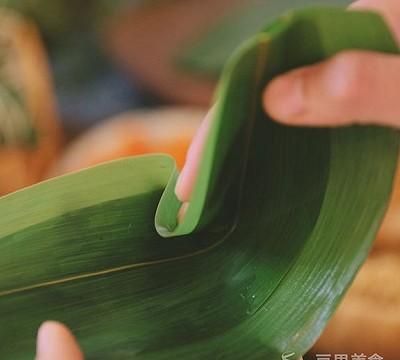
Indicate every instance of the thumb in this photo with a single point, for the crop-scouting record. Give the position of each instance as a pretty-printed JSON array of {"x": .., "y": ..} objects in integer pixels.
[
  {"x": 55, "y": 341},
  {"x": 351, "y": 87}
]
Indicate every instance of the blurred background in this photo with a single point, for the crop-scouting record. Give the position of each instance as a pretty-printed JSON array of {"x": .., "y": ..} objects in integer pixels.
[{"x": 83, "y": 82}]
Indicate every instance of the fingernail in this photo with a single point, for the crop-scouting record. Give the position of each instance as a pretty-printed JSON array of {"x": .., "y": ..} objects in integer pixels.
[
  {"x": 186, "y": 180},
  {"x": 43, "y": 341},
  {"x": 284, "y": 98},
  {"x": 55, "y": 341},
  {"x": 182, "y": 211},
  {"x": 180, "y": 187}
]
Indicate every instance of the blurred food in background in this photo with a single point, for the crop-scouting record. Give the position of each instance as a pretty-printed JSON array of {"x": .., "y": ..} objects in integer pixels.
[
  {"x": 89, "y": 88},
  {"x": 30, "y": 134},
  {"x": 177, "y": 48},
  {"x": 368, "y": 320},
  {"x": 61, "y": 19},
  {"x": 164, "y": 130},
  {"x": 146, "y": 41},
  {"x": 389, "y": 235}
]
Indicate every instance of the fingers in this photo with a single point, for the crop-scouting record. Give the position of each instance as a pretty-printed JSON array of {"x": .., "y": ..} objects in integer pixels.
[
  {"x": 186, "y": 181},
  {"x": 55, "y": 341},
  {"x": 352, "y": 87}
]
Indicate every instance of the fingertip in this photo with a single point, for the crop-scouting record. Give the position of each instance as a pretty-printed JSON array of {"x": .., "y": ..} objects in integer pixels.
[
  {"x": 47, "y": 332},
  {"x": 55, "y": 341},
  {"x": 186, "y": 181},
  {"x": 182, "y": 211},
  {"x": 328, "y": 93},
  {"x": 182, "y": 188},
  {"x": 283, "y": 98}
]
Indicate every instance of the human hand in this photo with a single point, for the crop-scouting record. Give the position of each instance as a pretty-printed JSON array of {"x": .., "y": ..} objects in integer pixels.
[
  {"x": 352, "y": 87},
  {"x": 55, "y": 341}
]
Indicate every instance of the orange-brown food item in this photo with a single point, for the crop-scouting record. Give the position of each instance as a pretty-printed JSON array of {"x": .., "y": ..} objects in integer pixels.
[
  {"x": 368, "y": 320},
  {"x": 137, "y": 40},
  {"x": 389, "y": 235},
  {"x": 166, "y": 130},
  {"x": 24, "y": 67}
]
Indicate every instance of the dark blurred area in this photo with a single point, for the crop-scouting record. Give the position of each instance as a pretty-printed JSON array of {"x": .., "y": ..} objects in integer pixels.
[{"x": 88, "y": 86}]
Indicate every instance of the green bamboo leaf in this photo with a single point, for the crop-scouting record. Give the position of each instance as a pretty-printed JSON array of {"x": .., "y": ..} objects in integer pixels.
[{"x": 280, "y": 221}]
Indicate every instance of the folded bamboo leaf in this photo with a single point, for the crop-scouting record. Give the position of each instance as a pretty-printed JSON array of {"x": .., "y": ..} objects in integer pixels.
[{"x": 280, "y": 221}]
